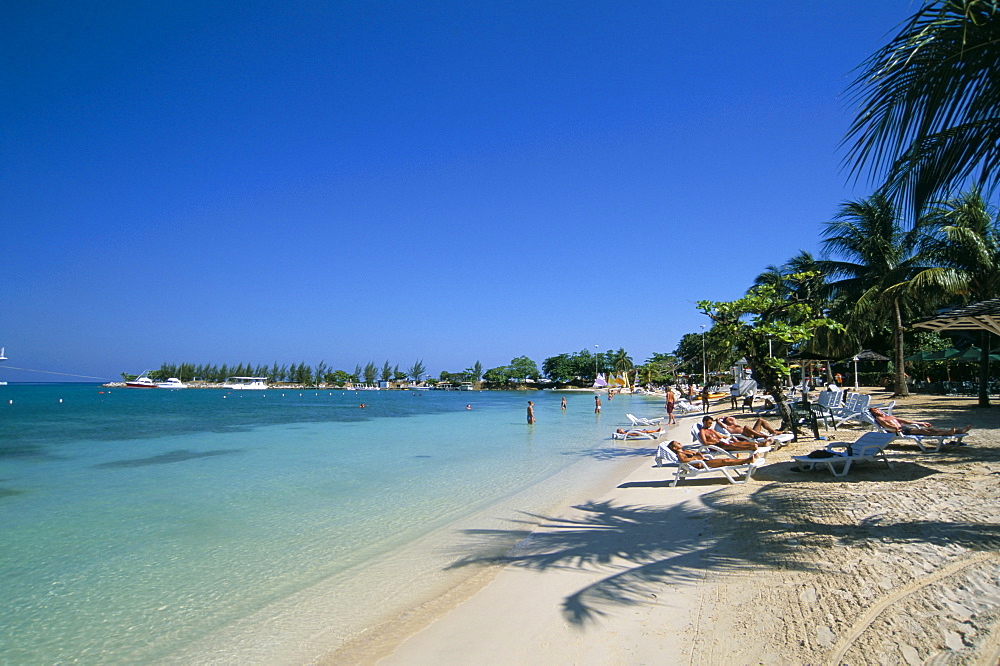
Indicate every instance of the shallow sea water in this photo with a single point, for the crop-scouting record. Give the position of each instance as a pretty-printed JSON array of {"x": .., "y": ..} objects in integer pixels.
[{"x": 150, "y": 525}]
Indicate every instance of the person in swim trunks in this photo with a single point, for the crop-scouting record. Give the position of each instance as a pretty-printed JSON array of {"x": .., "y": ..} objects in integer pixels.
[{"x": 902, "y": 426}]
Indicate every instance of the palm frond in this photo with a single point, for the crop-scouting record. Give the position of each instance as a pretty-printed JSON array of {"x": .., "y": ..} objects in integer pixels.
[{"x": 928, "y": 103}]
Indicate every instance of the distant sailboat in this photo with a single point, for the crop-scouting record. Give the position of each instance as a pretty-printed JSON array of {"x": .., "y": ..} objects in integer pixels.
[
  {"x": 600, "y": 382},
  {"x": 2, "y": 358}
]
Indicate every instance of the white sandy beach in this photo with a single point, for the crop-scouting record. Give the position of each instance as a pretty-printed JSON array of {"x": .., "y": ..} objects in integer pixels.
[{"x": 886, "y": 566}]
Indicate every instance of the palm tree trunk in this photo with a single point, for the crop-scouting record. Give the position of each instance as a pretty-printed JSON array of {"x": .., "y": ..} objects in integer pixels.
[
  {"x": 984, "y": 369},
  {"x": 901, "y": 390}
]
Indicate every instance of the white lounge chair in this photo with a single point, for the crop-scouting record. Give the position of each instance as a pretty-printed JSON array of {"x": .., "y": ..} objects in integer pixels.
[
  {"x": 734, "y": 473},
  {"x": 854, "y": 409},
  {"x": 868, "y": 448},
  {"x": 827, "y": 403},
  {"x": 684, "y": 406},
  {"x": 640, "y": 422},
  {"x": 887, "y": 408},
  {"x": 926, "y": 443}
]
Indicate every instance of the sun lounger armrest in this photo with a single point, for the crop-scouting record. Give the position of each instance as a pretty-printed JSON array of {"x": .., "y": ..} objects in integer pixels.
[{"x": 712, "y": 448}]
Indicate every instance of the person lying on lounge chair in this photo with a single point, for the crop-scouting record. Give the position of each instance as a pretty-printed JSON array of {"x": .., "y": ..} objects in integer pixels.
[
  {"x": 691, "y": 456},
  {"x": 760, "y": 428},
  {"x": 708, "y": 435},
  {"x": 633, "y": 432},
  {"x": 902, "y": 426}
]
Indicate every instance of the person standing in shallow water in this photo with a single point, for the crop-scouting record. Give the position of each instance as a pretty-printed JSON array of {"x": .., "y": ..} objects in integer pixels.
[
  {"x": 597, "y": 404},
  {"x": 531, "y": 412},
  {"x": 563, "y": 405},
  {"x": 671, "y": 399}
]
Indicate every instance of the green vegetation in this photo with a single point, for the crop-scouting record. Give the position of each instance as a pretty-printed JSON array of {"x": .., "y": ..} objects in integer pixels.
[
  {"x": 928, "y": 104},
  {"x": 928, "y": 132},
  {"x": 751, "y": 324}
]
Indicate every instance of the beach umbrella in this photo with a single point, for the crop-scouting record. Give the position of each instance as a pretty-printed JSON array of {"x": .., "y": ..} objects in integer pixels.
[
  {"x": 973, "y": 355},
  {"x": 864, "y": 355},
  {"x": 869, "y": 355},
  {"x": 942, "y": 354}
]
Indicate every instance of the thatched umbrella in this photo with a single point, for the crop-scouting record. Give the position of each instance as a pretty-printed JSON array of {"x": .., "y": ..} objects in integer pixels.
[{"x": 866, "y": 355}]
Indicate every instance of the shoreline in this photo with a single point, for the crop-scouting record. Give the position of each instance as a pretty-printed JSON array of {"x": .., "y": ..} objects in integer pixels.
[
  {"x": 382, "y": 641},
  {"x": 644, "y": 572},
  {"x": 315, "y": 626}
]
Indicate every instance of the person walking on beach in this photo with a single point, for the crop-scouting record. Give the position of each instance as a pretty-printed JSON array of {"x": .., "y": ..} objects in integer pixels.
[
  {"x": 704, "y": 398},
  {"x": 671, "y": 399},
  {"x": 531, "y": 412},
  {"x": 597, "y": 404},
  {"x": 563, "y": 405}
]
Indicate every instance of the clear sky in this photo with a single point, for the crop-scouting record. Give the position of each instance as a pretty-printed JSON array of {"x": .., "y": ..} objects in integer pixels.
[{"x": 364, "y": 181}]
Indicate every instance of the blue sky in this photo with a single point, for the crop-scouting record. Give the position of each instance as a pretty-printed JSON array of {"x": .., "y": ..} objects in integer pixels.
[{"x": 366, "y": 181}]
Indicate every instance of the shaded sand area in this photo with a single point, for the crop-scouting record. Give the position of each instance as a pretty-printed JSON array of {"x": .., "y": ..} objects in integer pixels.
[{"x": 883, "y": 567}]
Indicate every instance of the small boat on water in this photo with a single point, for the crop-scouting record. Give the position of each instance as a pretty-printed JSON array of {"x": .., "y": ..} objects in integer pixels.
[
  {"x": 172, "y": 383},
  {"x": 142, "y": 381},
  {"x": 245, "y": 383}
]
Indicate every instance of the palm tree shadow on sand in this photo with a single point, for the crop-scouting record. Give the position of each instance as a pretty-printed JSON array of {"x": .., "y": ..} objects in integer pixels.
[{"x": 644, "y": 548}]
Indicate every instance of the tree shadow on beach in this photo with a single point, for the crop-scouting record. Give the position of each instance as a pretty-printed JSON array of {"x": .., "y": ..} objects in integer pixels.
[
  {"x": 613, "y": 452},
  {"x": 639, "y": 550}
]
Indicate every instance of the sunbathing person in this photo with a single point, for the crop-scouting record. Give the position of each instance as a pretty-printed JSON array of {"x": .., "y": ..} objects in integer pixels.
[
  {"x": 634, "y": 432},
  {"x": 708, "y": 435},
  {"x": 902, "y": 426},
  {"x": 760, "y": 428},
  {"x": 691, "y": 456}
]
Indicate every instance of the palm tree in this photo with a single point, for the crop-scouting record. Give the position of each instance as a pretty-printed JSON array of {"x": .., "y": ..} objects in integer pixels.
[
  {"x": 416, "y": 370},
  {"x": 621, "y": 361},
  {"x": 475, "y": 372},
  {"x": 963, "y": 246},
  {"x": 772, "y": 276},
  {"x": 929, "y": 103},
  {"x": 874, "y": 259}
]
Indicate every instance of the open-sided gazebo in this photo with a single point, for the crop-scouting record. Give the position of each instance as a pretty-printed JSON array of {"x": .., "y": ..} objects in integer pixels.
[{"x": 981, "y": 316}]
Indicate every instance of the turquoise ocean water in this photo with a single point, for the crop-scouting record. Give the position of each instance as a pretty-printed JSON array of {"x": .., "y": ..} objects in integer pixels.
[{"x": 139, "y": 525}]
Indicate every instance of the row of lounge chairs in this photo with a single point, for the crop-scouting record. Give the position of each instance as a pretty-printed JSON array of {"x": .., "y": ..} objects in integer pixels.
[{"x": 837, "y": 457}]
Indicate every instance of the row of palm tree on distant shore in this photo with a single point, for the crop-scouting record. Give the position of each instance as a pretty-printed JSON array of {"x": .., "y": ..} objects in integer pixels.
[{"x": 300, "y": 373}]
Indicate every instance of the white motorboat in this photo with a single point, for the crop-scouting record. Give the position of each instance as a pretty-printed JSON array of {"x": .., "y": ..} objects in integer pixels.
[
  {"x": 142, "y": 381},
  {"x": 172, "y": 383},
  {"x": 245, "y": 383}
]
